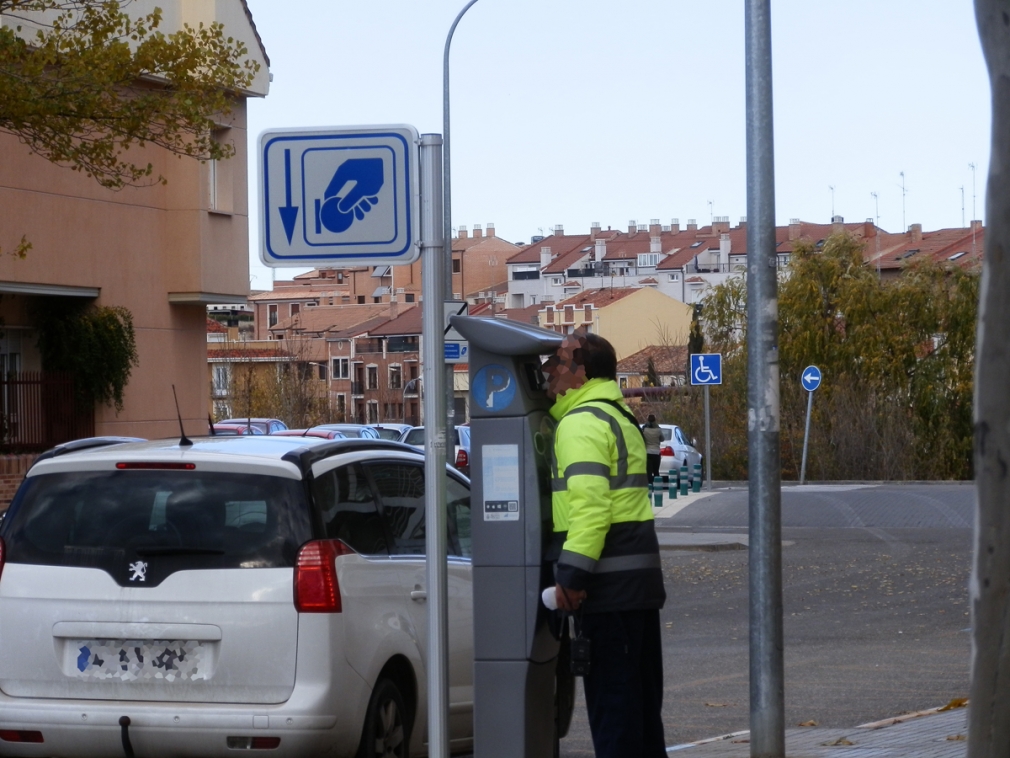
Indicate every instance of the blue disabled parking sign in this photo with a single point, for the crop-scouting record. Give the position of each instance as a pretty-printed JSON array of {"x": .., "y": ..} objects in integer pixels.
[
  {"x": 706, "y": 368},
  {"x": 342, "y": 196}
]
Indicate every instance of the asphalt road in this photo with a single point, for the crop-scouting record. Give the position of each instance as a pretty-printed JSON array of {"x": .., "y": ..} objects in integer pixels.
[{"x": 875, "y": 610}]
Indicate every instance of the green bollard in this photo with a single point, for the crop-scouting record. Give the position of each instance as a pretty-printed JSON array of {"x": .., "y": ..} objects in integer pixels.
[
  {"x": 656, "y": 485},
  {"x": 683, "y": 479},
  {"x": 671, "y": 484},
  {"x": 696, "y": 484}
]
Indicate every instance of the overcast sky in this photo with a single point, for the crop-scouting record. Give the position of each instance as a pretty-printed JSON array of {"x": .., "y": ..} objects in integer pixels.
[{"x": 574, "y": 111}]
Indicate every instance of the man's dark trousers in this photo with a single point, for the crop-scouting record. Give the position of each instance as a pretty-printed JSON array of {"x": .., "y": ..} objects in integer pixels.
[{"x": 624, "y": 689}]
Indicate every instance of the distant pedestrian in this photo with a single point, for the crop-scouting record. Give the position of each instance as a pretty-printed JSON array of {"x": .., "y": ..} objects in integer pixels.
[{"x": 653, "y": 439}]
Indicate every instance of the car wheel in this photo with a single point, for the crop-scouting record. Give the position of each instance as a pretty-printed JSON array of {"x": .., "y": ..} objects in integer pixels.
[{"x": 386, "y": 733}]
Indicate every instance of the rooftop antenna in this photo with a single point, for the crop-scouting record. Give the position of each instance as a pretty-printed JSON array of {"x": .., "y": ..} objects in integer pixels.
[
  {"x": 972, "y": 167},
  {"x": 832, "y": 188},
  {"x": 876, "y": 232},
  {"x": 904, "y": 228},
  {"x": 184, "y": 441},
  {"x": 962, "y": 207},
  {"x": 711, "y": 218}
]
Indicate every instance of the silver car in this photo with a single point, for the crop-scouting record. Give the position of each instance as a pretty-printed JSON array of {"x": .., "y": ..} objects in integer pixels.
[
  {"x": 676, "y": 451},
  {"x": 236, "y": 593}
]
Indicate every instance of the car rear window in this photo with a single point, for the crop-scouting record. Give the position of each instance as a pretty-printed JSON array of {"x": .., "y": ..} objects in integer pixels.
[
  {"x": 388, "y": 434},
  {"x": 415, "y": 437},
  {"x": 168, "y": 520}
]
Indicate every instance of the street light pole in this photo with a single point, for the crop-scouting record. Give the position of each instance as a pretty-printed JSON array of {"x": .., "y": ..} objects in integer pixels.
[
  {"x": 410, "y": 386},
  {"x": 446, "y": 173}
]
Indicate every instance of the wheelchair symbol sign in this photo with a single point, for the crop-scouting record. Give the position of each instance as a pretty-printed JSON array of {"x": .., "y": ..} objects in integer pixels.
[{"x": 706, "y": 368}]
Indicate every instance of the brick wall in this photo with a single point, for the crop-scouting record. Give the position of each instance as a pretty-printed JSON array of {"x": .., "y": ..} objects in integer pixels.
[{"x": 12, "y": 471}]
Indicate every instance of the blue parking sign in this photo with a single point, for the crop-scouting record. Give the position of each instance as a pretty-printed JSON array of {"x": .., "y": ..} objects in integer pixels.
[{"x": 706, "y": 368}]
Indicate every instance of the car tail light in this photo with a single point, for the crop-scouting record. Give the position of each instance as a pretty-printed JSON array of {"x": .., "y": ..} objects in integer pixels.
[
  {"x": 316, "y": 586},
  {"x": 20, "y": 735},
  {"x": 462, "y": 459},
  {"x": 159, "y": 465},
  {"x": 666, "y": 451},
  {"x": 253, "y": 743}
]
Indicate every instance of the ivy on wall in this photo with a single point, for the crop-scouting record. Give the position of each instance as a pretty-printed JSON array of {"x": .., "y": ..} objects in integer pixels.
[{"x": 94, "y": 343}]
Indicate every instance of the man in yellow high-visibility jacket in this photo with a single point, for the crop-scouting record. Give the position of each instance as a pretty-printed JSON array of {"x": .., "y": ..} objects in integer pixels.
[{"x": 608, "y": 567}]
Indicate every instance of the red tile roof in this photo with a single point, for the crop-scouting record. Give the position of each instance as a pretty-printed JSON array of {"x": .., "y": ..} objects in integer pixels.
[
  {"x": 599, "y": 297},
  {"x": 407, "y": 323},
  {"x": 668, "y": 359},
  {"x": 216, "y": 327}
]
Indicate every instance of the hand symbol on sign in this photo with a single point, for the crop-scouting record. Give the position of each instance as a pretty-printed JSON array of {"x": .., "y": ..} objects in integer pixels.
[{"x": 350, "y": 194}]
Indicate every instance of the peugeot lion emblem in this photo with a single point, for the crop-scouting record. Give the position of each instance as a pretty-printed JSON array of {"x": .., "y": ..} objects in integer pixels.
[{"x": 139, "y": 570}]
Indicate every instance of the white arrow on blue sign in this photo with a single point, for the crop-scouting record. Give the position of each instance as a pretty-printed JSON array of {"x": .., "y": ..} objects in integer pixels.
[
  {"x": 810, "y": 378},
  {"x": 706, "y": 368},
  {"x": 340, "y": 196}
]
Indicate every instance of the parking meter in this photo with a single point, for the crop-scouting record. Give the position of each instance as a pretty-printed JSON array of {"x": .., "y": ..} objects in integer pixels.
[{"x": 511, "y": 433}]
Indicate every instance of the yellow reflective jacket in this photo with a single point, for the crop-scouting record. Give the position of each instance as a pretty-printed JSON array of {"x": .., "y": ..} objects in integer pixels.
[{"x": 604, "y": 533}]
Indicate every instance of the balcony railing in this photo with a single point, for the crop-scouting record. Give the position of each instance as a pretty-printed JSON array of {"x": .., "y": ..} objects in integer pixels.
[
  {"x": 357, "y": 388},
  {"x": 368, "y": 346},
  {"x": 402, "y": 345},
  {"x": 39, "y": 410},
  {"x": 518, "y": 276}
]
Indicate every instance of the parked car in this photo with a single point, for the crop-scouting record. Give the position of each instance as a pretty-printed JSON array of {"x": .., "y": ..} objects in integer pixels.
[
  {"x": 324, "y": 434},
  {"x": 414, "y": 437},
  {"x": 352, "y": 430},
  {"x": 265, "y": 425},
  {"x": 232, "y": 430},
  {"x": 676, "y": 450},
  {"x": 390, "y": 431},
  {"x": 207, "y": 600}
]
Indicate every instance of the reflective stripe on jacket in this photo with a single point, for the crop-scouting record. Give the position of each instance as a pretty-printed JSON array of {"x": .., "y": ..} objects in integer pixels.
[{"x": 604, "y": 533}]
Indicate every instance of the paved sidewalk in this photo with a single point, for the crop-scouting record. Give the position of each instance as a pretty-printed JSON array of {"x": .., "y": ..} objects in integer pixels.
[{"x": 929, "y": 735}]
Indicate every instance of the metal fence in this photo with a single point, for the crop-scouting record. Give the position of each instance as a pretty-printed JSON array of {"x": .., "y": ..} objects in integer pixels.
[{"x": 40, "y": 409}]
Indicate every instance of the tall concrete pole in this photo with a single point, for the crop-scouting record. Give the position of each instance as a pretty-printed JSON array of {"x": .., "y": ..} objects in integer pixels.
[
  {"x": 767, "y": 700},
  {"x": 988, "y": 725}
]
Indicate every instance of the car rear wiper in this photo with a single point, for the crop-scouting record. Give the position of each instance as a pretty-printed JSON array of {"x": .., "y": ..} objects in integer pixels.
[{"x": 178, "y": 550}]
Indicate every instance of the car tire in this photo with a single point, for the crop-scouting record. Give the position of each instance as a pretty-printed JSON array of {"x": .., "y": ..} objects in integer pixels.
[{"x": 386, "y": 733}]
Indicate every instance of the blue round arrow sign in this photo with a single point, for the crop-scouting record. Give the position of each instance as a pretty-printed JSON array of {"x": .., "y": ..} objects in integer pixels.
[{"x": 810, "y": 378}]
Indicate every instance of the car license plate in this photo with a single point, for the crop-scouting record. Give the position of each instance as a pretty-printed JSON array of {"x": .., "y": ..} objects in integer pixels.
[{"x": 138, "y": 660}]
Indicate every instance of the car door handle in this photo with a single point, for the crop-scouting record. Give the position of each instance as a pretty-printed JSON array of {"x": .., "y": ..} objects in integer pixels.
[{"x": 418, "y": 595}]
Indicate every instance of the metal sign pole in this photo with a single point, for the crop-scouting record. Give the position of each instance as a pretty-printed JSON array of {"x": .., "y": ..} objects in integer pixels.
[
  {"x": 433, "y": 378},
  {"x": 767, "y": 689},
  {"x": 806, "y": 437},
  {"x": 708, "y": 443}
]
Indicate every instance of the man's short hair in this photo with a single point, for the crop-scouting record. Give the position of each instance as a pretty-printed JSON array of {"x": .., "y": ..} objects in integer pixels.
[
  {"x": 652, "y": 418},
  {"x": 599, "y": 358}
]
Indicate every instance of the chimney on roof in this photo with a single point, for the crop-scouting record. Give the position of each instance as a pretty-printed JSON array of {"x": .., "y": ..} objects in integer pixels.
[
  {"x": 600, "y": 251},
  {"x": 477, "y": 233},
  {"x": 394, "y": 307},
  {"x": 837, "y": 224},
  {"x": 461, "y": 233},
  {"x": 632, "y": 227},
  {"x": 594, "y": 229},
  {"x": 692, "y": 225},
  {"x": 545, "y": 257},
  {"x": 725, "y": 246},
  {"x": 743, "y": 223},
  {"x": 489, "y": 230},
  {"x": 869, "y": 228},
  {"x": 915, "y": 232},
  {"x": 655, "y": 228},
  {"x": 976, "y": 225},
  {"x": 675, "y": 225},
  {"x": 720, "y": 224},
  {"x": 794, "y": 229},
  {"x": 559, "y": 230}
]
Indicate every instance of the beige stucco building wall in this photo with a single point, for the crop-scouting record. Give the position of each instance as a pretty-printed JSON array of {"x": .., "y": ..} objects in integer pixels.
[
  {"x": 163, "y": 252},
  {"x": 644, "y": 318}
]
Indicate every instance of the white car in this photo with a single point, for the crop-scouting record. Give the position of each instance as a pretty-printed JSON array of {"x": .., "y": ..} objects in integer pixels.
[
  {"x": 676, "y": 450},
  {"x": 236, "y": 593}
]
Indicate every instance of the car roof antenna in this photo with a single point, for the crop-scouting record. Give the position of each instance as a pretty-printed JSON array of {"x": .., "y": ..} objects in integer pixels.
[{"x": 184, "y": 441}]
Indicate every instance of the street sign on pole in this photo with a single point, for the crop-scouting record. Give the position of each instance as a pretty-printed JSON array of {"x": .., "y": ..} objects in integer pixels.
[
  {"x": 810, "y": 378},
  {"x": 339, "y": 196},
  {"x": 706, "y": 368},
  {"x": 456, "y": 348}
]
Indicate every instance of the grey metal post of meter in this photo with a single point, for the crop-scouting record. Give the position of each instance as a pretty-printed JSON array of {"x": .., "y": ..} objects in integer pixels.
[{"x": 511, "y": 434}]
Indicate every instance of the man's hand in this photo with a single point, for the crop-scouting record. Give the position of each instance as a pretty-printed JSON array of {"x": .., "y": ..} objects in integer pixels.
[{"x": 568, "y": 600}]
